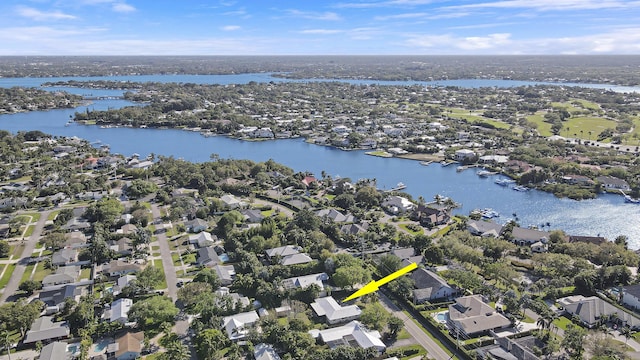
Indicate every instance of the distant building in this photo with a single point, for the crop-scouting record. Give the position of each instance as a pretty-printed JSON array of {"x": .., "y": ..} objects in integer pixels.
[
  {"x": 333, "y": 312},
  {"x": 464, "y": 154},
  {"x": 353, "y": 334}
]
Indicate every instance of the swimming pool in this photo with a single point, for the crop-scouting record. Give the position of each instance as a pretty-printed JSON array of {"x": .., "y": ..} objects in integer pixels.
[
  {"x": 99, "y": 347},
  {"x": 73, "y": 348},
  {"x": 442, "y": 317}
]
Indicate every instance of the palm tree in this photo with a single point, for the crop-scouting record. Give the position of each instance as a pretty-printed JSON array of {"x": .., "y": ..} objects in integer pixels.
[
  {"x": 626, "y": 332},
  {"x": 543, "y": 323}
]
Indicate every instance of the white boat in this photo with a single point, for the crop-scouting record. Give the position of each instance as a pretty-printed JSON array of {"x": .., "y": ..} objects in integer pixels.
[
  {"x": 629, "y": 199},
  {"x": 504, "y": 182},
  {"x": 520, "y": 188},
  {"x": 489, "y": 213},
  {"x": 484, "y": 173}
]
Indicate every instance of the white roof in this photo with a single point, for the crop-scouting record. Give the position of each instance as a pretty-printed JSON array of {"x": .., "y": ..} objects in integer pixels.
[
  {"x": 304, "y": 281},
  {"x": 330, "y": 308},
  {"x": 265, "y": 352},
  {"x": 125, "y": 280},
  {"x": 296, "y": 259},
  {"x": 365, "y": 338},
  {"x": 235, "y": 324},
  {"x": 120, "y": 309}
]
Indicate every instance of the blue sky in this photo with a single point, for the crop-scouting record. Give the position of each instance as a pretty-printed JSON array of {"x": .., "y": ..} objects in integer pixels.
[{"x": 317, "y": 27}]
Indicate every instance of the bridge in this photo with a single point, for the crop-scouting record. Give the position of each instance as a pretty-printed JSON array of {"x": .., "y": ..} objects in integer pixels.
[{"x": 90, "y": 97}]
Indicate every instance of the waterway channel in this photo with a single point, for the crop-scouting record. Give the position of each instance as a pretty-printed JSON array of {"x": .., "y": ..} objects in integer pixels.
[{"x": 607, "y": 215}]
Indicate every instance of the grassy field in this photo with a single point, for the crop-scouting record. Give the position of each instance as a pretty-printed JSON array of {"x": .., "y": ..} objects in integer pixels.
[
  {"x": 473, "y": 117},
  {"x": 405, "y": 227},
  {"x": 562, "y": 322},
  {"x": 29, "y": 231},
  {"x": 41, "y": 272},
  {"x": 85, "y": 274},
  {"x": 586, "y": 124},
  {"x": 544, "y": 128},
  {"x": 27, "y": 273},
  {"x": 53, "y": 215},
  {"x": 7, "y": 275},
  {"x": 158, "y": 263}
]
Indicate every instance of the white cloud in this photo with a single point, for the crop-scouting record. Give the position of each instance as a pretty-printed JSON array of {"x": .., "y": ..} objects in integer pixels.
[
  {"x": 546, "y": 5},
  {"x": 321, "y": 31},
  {"x": 37, "y": 15},
  {"x": 617, "y": 41},
  {"x": 123, "y": 7},
  {"x": 230, "y": 28},
  {"x": 401, "y": 16},
  {"x": 326, "y": 16}
]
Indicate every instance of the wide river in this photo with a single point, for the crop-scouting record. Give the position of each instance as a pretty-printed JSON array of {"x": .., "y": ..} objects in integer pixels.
[{"x": 607, "y": 215}]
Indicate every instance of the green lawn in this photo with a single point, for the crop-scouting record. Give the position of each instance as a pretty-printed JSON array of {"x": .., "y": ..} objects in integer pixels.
[
  {"x": 473, "y": 117},
  {"x": 158, "y": 263},
  {"x": 52, "y": 215},
  {"x": 544, "y": 128},
  {"x": 12, "y": 248},
  {"x": 266, "y": 213},
  {"x": 7, "y": 275},
  {"x": 41, "y": 272},
  {"x": 176, "y": 259},
  {"x": 404, "y": 334},
  {"x": 586, "y": 124},
  {"x": 413, "y": 350},
  {"x": 27, "y": 273},
  {"x": 35, "y": 216},
  {"x": 404, "y": 226},
  {"x": 562, "y": 322},
  {"x": 444, "y": 348},
  {"x": 29, "y": 231},
  {"x": 85, "y": 274},
  {"x": 587, "y": 104}
]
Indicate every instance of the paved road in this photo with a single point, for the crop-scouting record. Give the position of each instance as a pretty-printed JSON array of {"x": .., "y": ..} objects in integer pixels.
[
  {"x": 167, "y": 262},
  {"x": 434, "y": 350},
  {"x": 288, "y": 212},
  {"x": 29, "y": 246}
]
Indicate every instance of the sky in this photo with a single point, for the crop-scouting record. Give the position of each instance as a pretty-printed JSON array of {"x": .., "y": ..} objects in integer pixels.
[{"x": 319, "y": 27}]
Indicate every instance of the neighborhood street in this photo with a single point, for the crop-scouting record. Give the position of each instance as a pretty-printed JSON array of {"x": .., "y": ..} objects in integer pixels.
[
  {"x": 29, "y": 246},
  {"x": 433, "y": 349},
  {"x": 165, "y": 254}
]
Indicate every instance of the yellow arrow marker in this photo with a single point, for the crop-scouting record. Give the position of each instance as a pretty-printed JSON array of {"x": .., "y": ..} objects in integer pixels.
[{"x": 373, "y": 286}]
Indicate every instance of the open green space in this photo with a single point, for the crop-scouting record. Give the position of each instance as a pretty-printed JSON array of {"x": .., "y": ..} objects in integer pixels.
[
  {"x": 29, "y": 231},
  {"x": 7, "y": 275},
  {"x": 163, "y": 285},
  {"x": 562, "y": 322},
  {"x": 544, "y": 128},
  {"x": 52, "y": 215},
  {"x": 41, "y": 272},
  {"x": 85, "y": 274},
  {"x": 407, "y": 352},
  {"x": 582, "y": 125},
  {"x": 27, "y": 273},
  {"x": 412, "y": 232}
]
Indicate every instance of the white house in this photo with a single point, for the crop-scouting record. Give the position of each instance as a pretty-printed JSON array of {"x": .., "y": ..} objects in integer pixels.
[
  {"x": 120, "y": 310},
  {"x": 398, "y": 204},
  {"x": 202, "y": 239},
  {"x": 539, "y": 247},
  {"x": 464, "y": 154},
  {"x": 430, "y": 286},
  {"x": 334, "y": 313},
  {"x": 237, "y": 326},
  {"x": 232, "y": 202},
  {"x": 265, "y": 352},
  {"x": 351, "y": 334}
]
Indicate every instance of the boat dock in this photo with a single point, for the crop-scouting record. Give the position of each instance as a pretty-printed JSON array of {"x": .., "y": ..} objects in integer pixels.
[{"x": 398, "y": 187}]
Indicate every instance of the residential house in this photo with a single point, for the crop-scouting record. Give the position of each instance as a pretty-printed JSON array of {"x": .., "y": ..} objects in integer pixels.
[
  {"x": 232, "y": 202},
  {"x": 539, "y": 247},
  {"x": 352, "y": 334},
  {"x": 308, "y": 180},
  {"x": 208, "y": 257},
  {"x": 430, "y": 286},
  {"x": 335, "y": 215},
  {"x": 238, "y": 299},
  {"x": 398, "y": 204},
  {"x": 334, "y": 312},
  {"x": 587, "y": 239},
  {"x": 354, "y": 229},
  {"x": 301, "y": 282},
  {"x": 196, "y": 225},
  {"x": 464, "y": 154},
  {"x": 45, "y": 330},
  {"x": 57, "y": 350},
  {"x": 123, "y": 282},
  {"x": 203, "y": 239},
  {"x": 238, "y": 326},
  {"x": 55, "y": 298},
  {"x": 64, "y": 257},
  {"x": 577, "y": 180},
  {"x": 631, "y": 296},
  {"x": 484, "y": 228},
  {"x": 591, "y": 310},
  {"x": 470, "y": 316},
  {"x": 610, "y": 182},
  {"x": 127, "y": 347},
  {"x": 122, "y": 246},
  {"x": 295, "y": 259},
  {"x": 263, "y": 351},
  {"x": 120, "y": 267},
  {"x": 128, "y": 229},
  {"x": 226, "y": 273},
  {"x": 63, "y": 275},
  {"x": 252, "y": 215},
  {"x": 408, "y": 254},
  {"x": 120, "y": 310},
  {"x": 431, "y": 216},
  {"x": 282, "y": 251},
  {"x": 524, "y": 236},
  {"x": 75, "y": 239}
]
